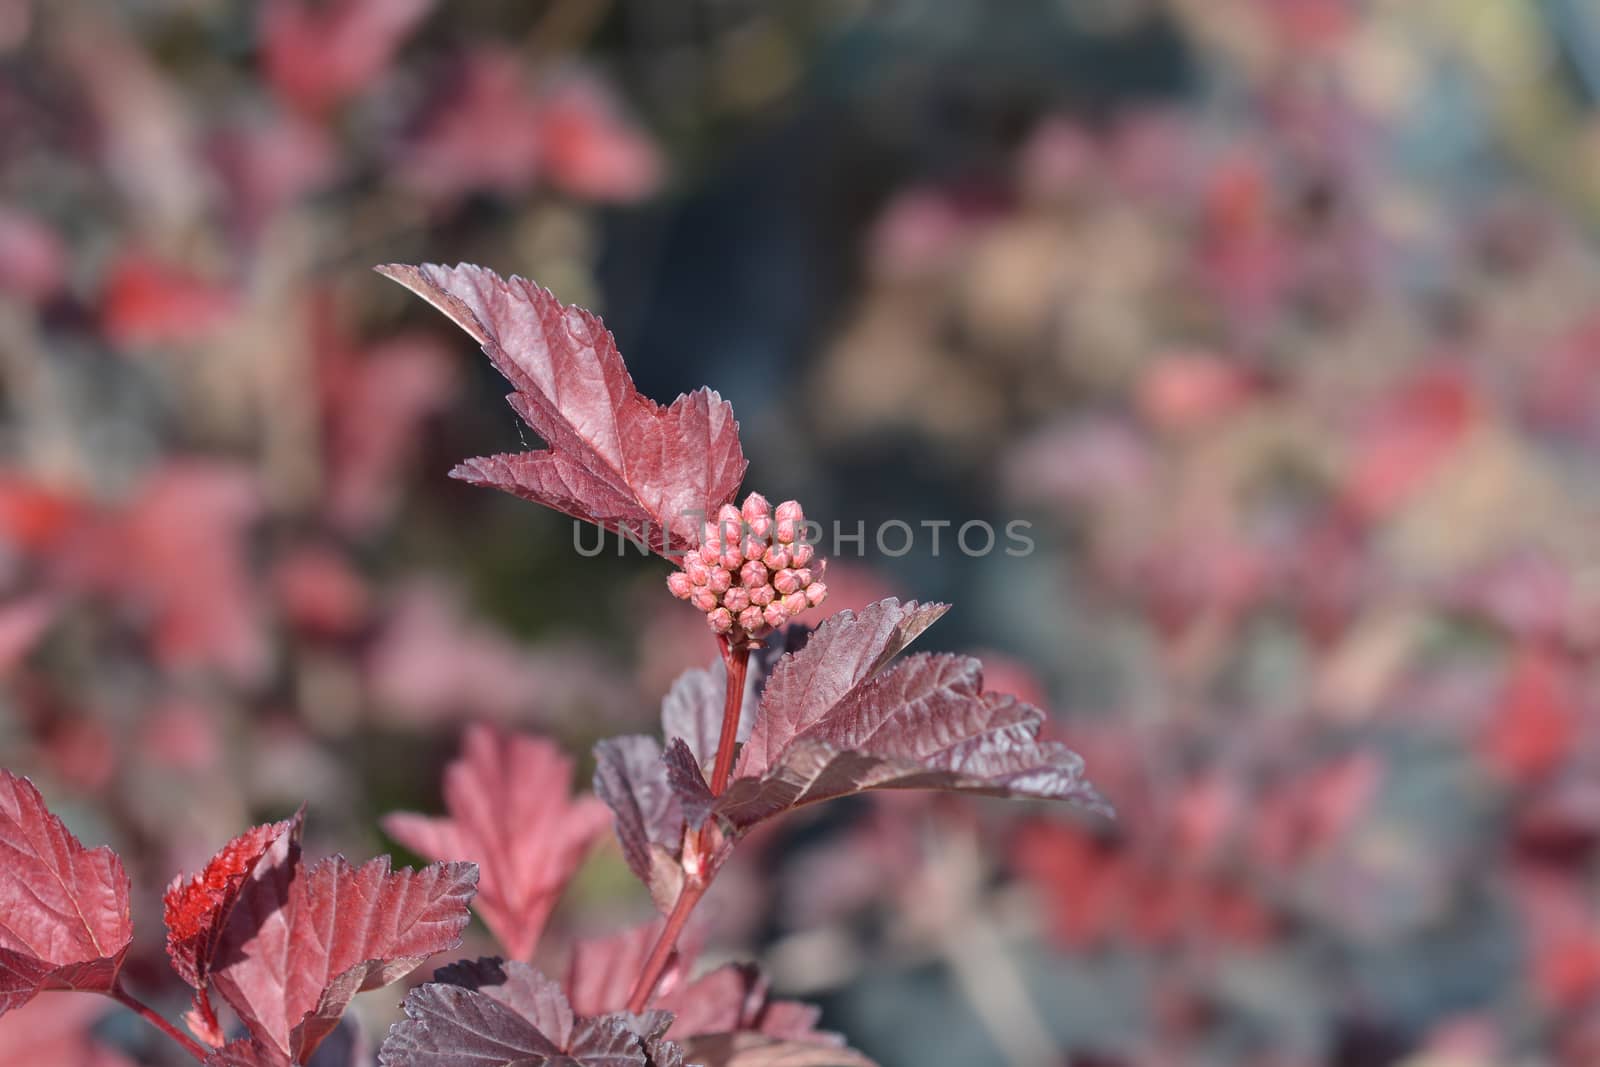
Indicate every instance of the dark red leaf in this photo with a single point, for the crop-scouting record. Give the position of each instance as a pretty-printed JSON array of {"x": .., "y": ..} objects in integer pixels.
[
  {"x": 511, "y": 813},
  {"x": 197, "y": 912},
  {"x": 836, "y": 720},
  {"x": 64, "y": 920},
  {"x": 300, "y": 943},
  {"x": 615, "y": 458},
  {"x": 493, "y": 1014},
  {"x": 631, "y": 779},
  {"x": 845, "y": 651}
]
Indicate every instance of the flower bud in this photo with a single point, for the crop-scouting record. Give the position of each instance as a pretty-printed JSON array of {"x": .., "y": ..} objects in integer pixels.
[
  {"x": 791, "y": 520},
  {"x": 752, "y": 572},
  {"x": 755, "y": 507},
  {"x": 750, "y": 620}
]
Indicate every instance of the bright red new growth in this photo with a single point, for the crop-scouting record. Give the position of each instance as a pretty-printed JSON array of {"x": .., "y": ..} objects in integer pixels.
[
  {"x": 511, "y": 813},
  {"x": 64, "y": 907},
  {"x": 197, "y": 911}
]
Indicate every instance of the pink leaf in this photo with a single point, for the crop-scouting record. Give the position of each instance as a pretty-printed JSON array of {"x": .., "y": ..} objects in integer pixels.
[
  {"x": 56, "y": 1032},
  {"x": 726, "y": 1016},
  {"x": 300, "y": 943},
  {"x": 601, "y": 971},
  {"x": 64, "y": 920},
  {"x": 511, "y": 813},
  {"x": 615, "y": 458},
  {"x": 318, "y": 55}
]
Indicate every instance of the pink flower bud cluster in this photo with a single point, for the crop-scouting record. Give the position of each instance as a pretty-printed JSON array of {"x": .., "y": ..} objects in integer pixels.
[{"x": 753, "y": 571}]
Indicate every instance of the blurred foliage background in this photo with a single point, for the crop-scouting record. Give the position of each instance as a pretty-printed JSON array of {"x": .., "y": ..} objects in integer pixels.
[{"x": 1279, "y": 320}]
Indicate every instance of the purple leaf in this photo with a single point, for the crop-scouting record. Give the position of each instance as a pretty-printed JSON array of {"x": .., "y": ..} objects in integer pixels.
[
  {"x": 835, "y": 720},
  {"x": 844, "y": 651},
  {"x": 494, "y": 1014},
  {"x": 632, "y": 780},
  {"x": 615, "y": 458}
]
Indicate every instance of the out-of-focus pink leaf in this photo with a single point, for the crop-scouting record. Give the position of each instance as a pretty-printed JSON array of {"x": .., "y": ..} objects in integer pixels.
[
  {"x": 317, "y": 56},
  {"x": 147, "y": 302},
  {"x": 64, "y": 920},
  {"x": 23, "y": 623},
  {"x": 55, "y": 1032},
  {"x": 512, "y": 814},
  {"x": 1536, "y": 720},
  {"x": 174, "y": 559},
  {"x": 318, "y": 590},
  {"x": 374, "y": 403},
  {"x": 482, "y": 133},
  {"x": 1407, "y": 438},
  {"x": 589, "y": 150},
  {"x": 33, "y": 259},
  {"x": 615, "y": 458}
]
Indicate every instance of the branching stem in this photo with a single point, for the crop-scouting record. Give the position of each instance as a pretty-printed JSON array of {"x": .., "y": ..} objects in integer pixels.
[
  {"x": 699, "y": 868},
  {"x": 154, "y": 1018}
]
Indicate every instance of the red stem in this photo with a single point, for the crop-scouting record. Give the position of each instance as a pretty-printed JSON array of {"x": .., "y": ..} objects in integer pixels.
[
  {"x": 698, "y": 871},
  {"x": 661, "y": 954},
  {"x": 151, "y": 1016},
  {"x": 737, "y": 659}
]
